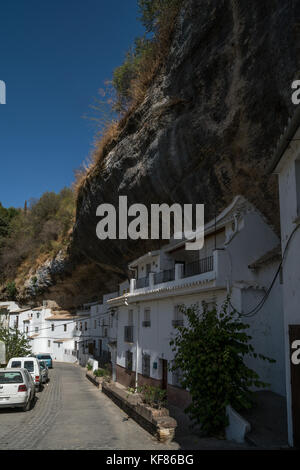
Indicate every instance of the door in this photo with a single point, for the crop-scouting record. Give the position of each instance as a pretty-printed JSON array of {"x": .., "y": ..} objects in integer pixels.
[
  {"x": 164, "y": 381},
  {"x": 294, "y": 332}
]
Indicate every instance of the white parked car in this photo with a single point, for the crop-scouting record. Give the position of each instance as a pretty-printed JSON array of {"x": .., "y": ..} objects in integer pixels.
[
  {"x": 32, "y": 365},
  {"x": 17, "y": 389}
]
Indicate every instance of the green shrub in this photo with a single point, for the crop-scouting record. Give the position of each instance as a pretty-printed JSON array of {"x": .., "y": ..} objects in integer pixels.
[
  {"x": 89, "y": 366},
  {"x": 153, "y": 396},
  {"x": 102, "y": 373},
  {"x": 210, "y": 353},
  {"x": 11, "y": 290}
]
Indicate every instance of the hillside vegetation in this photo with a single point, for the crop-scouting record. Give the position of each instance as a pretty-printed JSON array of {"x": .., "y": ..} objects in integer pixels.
[
  {"x": 38, "y": 232},
  {"x": 30, "y": 235}
]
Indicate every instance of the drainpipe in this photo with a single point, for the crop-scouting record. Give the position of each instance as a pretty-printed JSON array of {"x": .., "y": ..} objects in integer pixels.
[{"x": 137, "y": 347}]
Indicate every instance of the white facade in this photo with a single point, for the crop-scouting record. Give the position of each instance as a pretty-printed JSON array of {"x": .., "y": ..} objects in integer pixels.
[
  {"x": 234, "y": 241},
  {"x": 286, "y": 164},
  {"x": 5, "y": 309}
]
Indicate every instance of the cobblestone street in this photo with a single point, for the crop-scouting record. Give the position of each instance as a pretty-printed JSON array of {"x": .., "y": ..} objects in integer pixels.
[{"x": 70, "y": 413}]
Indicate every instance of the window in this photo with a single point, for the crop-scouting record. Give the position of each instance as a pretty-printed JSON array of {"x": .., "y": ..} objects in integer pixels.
[
  {"x": 178, "y": 316},
  {"x": 80, "y": 326},
  {"x": 38, "y": 315},
  {"x": 130, "y": 317},
  {"x": 11, "y": 378},
  {"x": 29, "y": 365},
  {"x": 16, "y": 364},
  {"x": 26, "y": 329},
  {"x": 49, "y": 343},
  {"x": 58, "y": 345},
  {"x": 128, "y": 360},
  {"x": 147, "y": 317},
  {"x": 76, "y": 326},
  {"x": 146, "y": 365},
  {"x": 52, "y": 327},
  {"x": 65, "y": 327},
  {"x": 36, "y": 329},
  {"x": 85, "y": 326}
]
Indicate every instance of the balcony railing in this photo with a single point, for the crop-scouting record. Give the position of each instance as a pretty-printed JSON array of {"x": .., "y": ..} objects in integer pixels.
[
  {"x": 146, "y": 323},
  {"x": 142, "y": 282},
  {"x": 164, "y": 276},
  {"x": 199, "y": 267},
  {"x": 128, "y": 334}
]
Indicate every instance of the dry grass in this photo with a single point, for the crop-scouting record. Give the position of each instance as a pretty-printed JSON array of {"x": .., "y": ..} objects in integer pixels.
[
  {"x": 148, "y": 68},
  {"x": 102, "y": 147},
  {"x": 151, "y": 63}
]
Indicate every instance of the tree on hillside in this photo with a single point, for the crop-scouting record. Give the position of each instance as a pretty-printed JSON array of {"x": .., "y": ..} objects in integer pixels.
[
  {"x": 42, "y": 228},
  {"x": 16, "y": 343},
  {"x": 209, "y": 355},
  {"x": 6, "y": 216}
]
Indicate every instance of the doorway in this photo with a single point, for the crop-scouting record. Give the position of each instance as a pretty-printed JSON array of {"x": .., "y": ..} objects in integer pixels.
[
  {"x": 164, "y": 376},
  {"x": 294, "y": 333}
]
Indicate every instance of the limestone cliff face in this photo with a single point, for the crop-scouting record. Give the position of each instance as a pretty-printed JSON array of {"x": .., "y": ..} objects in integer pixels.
[{"x": 206, "y": 129}]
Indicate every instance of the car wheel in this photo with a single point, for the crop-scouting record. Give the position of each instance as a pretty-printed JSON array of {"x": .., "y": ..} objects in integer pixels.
[{"x": 27, "y": 406}]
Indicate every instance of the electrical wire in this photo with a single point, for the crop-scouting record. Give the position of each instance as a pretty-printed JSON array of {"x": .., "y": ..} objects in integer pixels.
[{"x": 259, "y": 306}]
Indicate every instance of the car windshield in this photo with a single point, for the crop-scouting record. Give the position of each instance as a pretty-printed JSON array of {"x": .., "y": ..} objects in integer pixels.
[
  {"x": 45, "y": 357},
  {"x": 16, "y": 364},
  {"x": 29, "y": 366},
  {"x": 11, "y": 378}
]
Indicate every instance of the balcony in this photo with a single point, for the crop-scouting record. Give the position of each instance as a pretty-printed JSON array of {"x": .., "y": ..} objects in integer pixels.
[
  {"x": 146, "y": 324},
  {"x": 164, "y": 276},
  {"x": 199, "y": 266},
  {"x": 214, "y": 270},
  {"x": 128, "y": 334},
  {"x": 142, "y": 282}
]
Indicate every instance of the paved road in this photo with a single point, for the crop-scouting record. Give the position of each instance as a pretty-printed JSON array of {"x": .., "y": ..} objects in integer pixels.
[{"x": 70, "y": 413}]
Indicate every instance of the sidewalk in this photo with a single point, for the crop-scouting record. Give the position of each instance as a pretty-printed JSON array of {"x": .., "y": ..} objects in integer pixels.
[{"x": 189, "y": 438}]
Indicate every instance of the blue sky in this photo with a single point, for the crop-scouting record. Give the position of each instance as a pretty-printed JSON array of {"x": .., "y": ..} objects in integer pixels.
[{"x": 54, "y": 56}]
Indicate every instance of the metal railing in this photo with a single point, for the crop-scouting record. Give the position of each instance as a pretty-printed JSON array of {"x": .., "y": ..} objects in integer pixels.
[
  {"x": 164, "y": 276},
  {"x": 146, "y": 323},
  {"x": 142, "y": 282},
  {"x": 199, "y": 266},
  {"x": 128, "y": 334}
]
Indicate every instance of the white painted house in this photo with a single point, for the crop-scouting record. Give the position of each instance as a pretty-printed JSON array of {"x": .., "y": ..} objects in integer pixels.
[
  {"x": 240, "y": 257},
  {"x": 5, "y": 309},
  {"x": 286, "y": 164}
]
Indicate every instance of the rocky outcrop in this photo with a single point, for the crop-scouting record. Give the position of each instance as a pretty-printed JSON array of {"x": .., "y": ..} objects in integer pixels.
[
  {"x": 204, "y": 132},
  {"x": 206, "y": 129}
]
